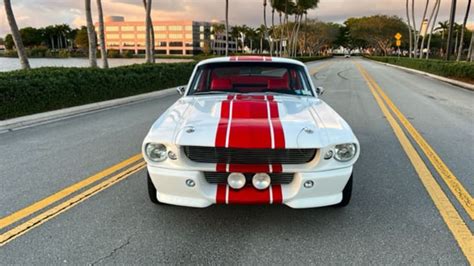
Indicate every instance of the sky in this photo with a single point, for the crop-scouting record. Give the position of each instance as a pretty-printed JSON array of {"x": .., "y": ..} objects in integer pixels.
[{"x": 39, "y": 13}]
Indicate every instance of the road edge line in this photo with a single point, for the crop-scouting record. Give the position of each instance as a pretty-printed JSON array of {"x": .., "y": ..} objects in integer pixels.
[
  {"x": 61, "y": 114},
  {"x": 457, "y": 83}
]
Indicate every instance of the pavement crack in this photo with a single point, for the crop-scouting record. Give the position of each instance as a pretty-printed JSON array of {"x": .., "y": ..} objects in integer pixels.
[
  {"x": 113, "y": 252},
  {"x": 339, "y": 74}
]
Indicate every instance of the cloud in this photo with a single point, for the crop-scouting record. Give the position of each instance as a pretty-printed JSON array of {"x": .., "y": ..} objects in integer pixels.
[{"x": 39, "y": 13}]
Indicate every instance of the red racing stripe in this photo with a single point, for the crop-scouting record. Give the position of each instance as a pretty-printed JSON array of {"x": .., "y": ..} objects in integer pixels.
[
  {"x": 249, "y": 195},
  {"x": 221, "y": 193},
  {"x": 277, "y": 194}
]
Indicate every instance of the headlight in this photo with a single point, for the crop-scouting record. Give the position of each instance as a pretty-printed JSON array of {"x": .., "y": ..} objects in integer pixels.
[
  {"x": 156, "y": 152},
  {"x": 345, "y": 152}
]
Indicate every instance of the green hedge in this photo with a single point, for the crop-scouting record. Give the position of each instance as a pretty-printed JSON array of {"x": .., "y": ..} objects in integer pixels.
[
  {"x": 45, "y": 89},
  {"x": 463, "y": 71},
  {"x": 305, "y": 59}
]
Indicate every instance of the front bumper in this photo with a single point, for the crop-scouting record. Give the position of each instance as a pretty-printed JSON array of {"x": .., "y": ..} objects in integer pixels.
[{"x": 172, "y": 189}]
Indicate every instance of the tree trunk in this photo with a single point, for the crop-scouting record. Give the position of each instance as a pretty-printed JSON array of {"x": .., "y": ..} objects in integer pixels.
[
  {"x": 409, "y": 30},
  {"x": 470, "y": 55},
  {"x": 91, "y": 36},
  {"x": 227, "y": 28},
  {"x": 456, "y": 42},
  {"x": 273, "y": 29},
  {"x": 461, "y": 42},
  {"x": 414, "y": 27},
  {"x": 103, "y": 49},
  {"x": 152, "y": 32},
  {"x": 281, "y": 36},
  {"x": 417, "y": 39},
  {"x": 20, "y": 48},
  {"x": 148, "y": 43},
  {"x": 437, "y": 5},
  {"x": 265, "y": 20},
  {"x": 426, "y": 32}
]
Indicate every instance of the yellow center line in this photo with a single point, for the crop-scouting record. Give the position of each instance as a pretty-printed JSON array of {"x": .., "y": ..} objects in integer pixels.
[
  {"x": 53, "y": 212},
  {"x": 18, "y": 215},
  {"x": 448, "y": 212},
  {"x": 458, "y": 190}
]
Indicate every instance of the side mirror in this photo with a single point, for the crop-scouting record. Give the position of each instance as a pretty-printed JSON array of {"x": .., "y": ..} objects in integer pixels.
[
  {"x": 181, "y": 90},
  {"x": 318, "y": 91}
]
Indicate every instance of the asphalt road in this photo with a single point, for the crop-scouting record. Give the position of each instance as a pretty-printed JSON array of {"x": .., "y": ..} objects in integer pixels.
[{"x": 391, "y": 219}]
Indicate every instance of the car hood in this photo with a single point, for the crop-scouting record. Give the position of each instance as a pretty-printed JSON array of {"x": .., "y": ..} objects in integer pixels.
[{"x": 294, "y": 122}]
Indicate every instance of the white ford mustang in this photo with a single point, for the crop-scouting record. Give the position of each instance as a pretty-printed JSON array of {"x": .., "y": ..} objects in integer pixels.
[{"x": 250, "y": 130}]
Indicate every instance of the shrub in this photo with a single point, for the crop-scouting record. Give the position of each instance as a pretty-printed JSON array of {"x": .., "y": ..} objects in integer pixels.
[
  {"x": 45, "y": 89},
  {"x": 305, "y": 59},
  {"x": 457, "y": 70}
]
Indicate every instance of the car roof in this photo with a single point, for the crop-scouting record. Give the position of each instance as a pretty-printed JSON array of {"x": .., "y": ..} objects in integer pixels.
[{"x": 250, "y": 59}]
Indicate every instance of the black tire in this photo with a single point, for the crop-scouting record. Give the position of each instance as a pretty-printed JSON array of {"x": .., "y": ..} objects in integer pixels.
[
  {"x": 346, "y": 194},
  {"x": 152, "y": 190}
]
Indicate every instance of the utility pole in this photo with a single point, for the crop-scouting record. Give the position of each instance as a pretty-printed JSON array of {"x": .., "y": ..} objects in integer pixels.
[{"x": 451, "y": 28}]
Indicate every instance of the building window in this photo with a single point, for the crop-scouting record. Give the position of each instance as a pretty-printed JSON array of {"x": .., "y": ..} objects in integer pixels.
[
  {"x": 201, "y": 36},
  {"x": 140, "y": 28},
  {"x": 176, "y": 44},
  {"x": 141, "y": 44},
  {"x": 161, "y": 36},
  {"x": 189, "y": 44},
  {"x": 161, "y": 44},
  {"x": 189, "y": 52},
  {"x": 128, "y": 28},
  {"x": 112, "y": 28},
  {"x": 113, "y": 36},
  {"x": 175, "y": 36},
  {"x": 201, "y": 28},
  {"x": 113, "y": 44},
  {"x": 128, "y": 36},
  {"x": 189, "y": 28},
  {"x": 141, "y": 36},
  {"x": 188, "y": 36},
  {"x": 160, "y": 51},
  {"x": 201, "y": 44},
  {"x": 160, "y": 28},
  {"x": 175, "y": 28},
  {"x": 176, "y": 51}
]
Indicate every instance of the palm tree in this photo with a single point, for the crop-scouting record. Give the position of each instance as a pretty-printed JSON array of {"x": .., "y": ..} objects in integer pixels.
[
  {"x": 461, "y": 41},
  {"x": 414, "y": 26},
  {"x": 443, "y": 27},
  {"x": 437, "y": 5},
  {"x": 264, "y": 22},
  {"x": 417, "y": 39},
  {"x": 20, "y": 48},
  {"x": 470, "y": 55},
  {"x": 103, "y": 49},
  {"x": 91, "y": 35},
  {"x": 149, "y": 52},
  {"x": 409, "y": 29},
  {"x": 226, "y": 27}
]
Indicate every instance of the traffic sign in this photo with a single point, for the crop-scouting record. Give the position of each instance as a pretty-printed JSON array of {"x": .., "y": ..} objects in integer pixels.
[
  {"x": 398, "y": 36},
  {"x": 399, "y": 42}
]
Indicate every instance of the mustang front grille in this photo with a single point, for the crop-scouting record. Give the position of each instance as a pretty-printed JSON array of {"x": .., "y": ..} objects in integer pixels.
[
  {"x": 249, "y": 156},
  {"x": 221, "y": 178}
]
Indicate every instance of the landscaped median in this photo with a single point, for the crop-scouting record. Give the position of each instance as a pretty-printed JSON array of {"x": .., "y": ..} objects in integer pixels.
[
  {"x": 462, "y": 71},
  {"x": 45, "y": 89}
]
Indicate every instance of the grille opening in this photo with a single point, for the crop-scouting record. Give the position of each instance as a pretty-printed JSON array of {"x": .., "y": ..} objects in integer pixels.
[
  {"x": 249, "y": 156},
  {"x": 221, "y": 178}
]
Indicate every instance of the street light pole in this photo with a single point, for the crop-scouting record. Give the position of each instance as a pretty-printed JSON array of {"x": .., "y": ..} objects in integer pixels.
[{"x": 451, "y": 28}]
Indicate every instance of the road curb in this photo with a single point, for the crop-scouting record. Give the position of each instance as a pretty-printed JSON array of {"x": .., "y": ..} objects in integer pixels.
[
  {"x": 458, "y": 83},
  {"x": 56, "y": 115}
]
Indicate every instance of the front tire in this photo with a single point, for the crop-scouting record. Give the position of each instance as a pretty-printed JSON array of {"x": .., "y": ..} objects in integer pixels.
[
  {"x": 151, "y": 190},
  {"x": 346, "y": 194}
]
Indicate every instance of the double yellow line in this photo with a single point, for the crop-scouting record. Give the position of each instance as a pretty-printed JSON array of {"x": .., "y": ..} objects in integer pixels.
[
  {"x": 53, "y": 205},
  {"x": 448, "y": 212}
]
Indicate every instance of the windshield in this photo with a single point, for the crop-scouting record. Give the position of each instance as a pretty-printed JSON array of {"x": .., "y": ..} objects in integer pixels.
[{"x": 250, "y": 77}]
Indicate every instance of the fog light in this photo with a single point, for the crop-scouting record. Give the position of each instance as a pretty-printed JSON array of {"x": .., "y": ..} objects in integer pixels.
[
  {"x": 172, "y": 155},
  {"x": 261, "y": 181},
  {"x": 236, "y": 180},
  {"x": 328, "y": 155},
  {"x": 190, "y": 183},
  {"x": 308, "y": 184}
]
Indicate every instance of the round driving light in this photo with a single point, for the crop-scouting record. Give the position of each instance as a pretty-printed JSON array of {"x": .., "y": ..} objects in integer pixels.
[
  {"x": 344, "y": 152},
  {"x": 156, "y": 152},
  {"x": 308, "y": 184},
  {"x": 261, "y": 181},
  {"x": 172, "y": 155},
  {"x": 190, "y": 183},
  {"x": 236, "y": 180},
  {"x": 328, "y": 155}
]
